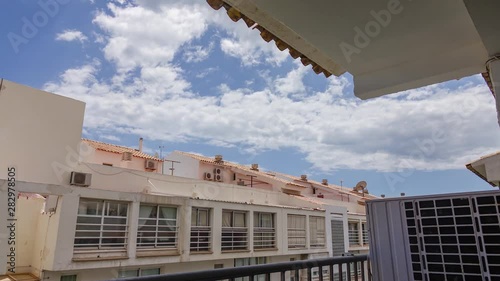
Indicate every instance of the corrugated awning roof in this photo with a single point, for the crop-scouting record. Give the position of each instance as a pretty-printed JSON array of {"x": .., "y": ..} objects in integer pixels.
[{"x": 118, "y": 149}]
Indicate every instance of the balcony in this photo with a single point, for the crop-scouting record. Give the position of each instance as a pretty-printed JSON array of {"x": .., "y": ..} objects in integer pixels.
[{"x": 348, "y": 268}]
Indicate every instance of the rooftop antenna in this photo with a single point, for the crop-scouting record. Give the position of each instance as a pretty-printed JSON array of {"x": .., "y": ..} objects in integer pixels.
[
  {"x": 171, "y": 168},
  {"x": 161, "y": 147}
]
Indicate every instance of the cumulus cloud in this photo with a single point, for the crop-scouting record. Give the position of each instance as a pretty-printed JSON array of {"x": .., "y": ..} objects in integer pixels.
[
  {"x": 197, "y": 53},
  {"x": 436, "y": 127},
  {"x": 71, "y": 35}
]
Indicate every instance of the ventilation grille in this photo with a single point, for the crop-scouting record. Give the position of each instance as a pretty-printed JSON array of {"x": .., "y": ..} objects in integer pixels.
[{"x": 454, "y": 239}]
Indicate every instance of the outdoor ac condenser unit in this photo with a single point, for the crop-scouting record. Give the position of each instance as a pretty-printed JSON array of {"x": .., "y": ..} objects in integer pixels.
[
  {"x": 80, "y": 179},
  {"x": 438, "y": 237}
]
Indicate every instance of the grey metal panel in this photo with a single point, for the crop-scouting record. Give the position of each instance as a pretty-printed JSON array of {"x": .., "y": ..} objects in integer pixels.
[
  {"x": 387, "y": 251},
  {"x": 338, "y": 245}
]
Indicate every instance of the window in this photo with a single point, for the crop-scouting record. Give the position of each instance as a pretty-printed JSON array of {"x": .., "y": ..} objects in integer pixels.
[
  {"x": 353, "y": 228},
  {"x": 157, "y": 227},
  {"x": 138, "y": 272},
  {"x": 250, "y": 261},
  {"x": 234, "y": 230},
  {"x": 364, "y": 228},
  {"x": 201, "y": 231},
  {"x": 296, "y": 231},
  {"x": 68, "y": 278},
  {"x": 317, "y": 231},
  {"x": 264, "y": 231},
  {"x": 101, "y": 224}
]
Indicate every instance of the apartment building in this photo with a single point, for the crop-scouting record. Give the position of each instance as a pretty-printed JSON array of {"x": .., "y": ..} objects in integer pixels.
[{"x": 77, "y": 209}]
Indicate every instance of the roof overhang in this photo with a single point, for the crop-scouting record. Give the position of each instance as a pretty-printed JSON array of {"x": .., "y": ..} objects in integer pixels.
[
  {"x": 487, "y": 168},
  {"x": 387, "y": 45}
]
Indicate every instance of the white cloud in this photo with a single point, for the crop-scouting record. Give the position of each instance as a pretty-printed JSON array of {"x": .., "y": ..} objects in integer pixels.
[
  {"x": 247, "y": 45},
  {"x": 71, "y": 35},
  {"x": 430, "y": 128},
  {"x": 140, "y": 37},
  {"x": 197, "y": 53},
  {"x": 110, "y": 137},
  {"x": 384, "y": 134}
]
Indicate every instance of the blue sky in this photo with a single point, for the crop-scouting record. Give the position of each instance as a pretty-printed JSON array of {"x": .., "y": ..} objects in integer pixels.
[{"x": 185, "y": 77}]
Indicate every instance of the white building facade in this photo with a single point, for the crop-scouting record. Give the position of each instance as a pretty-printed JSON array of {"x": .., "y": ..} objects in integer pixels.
[{"x": 84, "y": 210}]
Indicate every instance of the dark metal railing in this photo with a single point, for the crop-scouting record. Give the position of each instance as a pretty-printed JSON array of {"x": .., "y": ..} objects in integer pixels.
[{"x": 346, "y": 268}]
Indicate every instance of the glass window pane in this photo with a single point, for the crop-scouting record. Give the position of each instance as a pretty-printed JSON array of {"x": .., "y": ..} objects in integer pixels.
[
  {"x": 239, "y": 219},
  {"x": 168, "y": 213},
  {"x": 68, "y": 278},
  {"x": 128, "y": 273},
  {"x": 150, "y": 271},
  {"x": 203, "y": 218},
  {"x": 226, "y": 219},
  {"x": 87, "y": 207}
]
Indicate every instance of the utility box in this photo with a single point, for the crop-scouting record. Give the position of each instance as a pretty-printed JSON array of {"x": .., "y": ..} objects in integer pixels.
[{"x": 436, "y": 237}]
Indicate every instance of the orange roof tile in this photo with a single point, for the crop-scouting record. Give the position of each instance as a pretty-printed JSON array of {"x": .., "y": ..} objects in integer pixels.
[{"x": 118, "y": 149}]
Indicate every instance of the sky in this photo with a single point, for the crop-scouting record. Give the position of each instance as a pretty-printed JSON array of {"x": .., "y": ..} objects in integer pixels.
[{"x": 185, "y": 77}]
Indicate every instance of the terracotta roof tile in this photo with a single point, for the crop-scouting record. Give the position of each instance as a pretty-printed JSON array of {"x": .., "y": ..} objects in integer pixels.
[{"x": 118, "y": 149}]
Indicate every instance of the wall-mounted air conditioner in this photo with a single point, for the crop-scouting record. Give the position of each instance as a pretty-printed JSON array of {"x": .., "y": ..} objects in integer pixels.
[
  {"x": 80, "y": 179},
  {"x": 217, "y": 174},
  {"x": 127, "y": 156},
  {"x": 150, "y": 164},
  {"x": 438, "y": 237},
  {"x": 208, "y": 176}
]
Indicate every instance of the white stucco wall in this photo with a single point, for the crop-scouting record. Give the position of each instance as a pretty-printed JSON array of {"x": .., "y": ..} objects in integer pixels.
[
  {"x": 39, "y": 133},
  {"x": 186, "y": 168}
]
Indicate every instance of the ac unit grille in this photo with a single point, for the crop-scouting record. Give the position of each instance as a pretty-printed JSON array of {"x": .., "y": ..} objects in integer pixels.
[{"x": 455, "y": 238}]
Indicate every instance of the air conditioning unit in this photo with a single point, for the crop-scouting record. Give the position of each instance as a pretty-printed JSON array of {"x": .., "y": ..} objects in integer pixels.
[
  {"x": 437, "y": 237},
  {"x": 217, "y": 174},
  {"x": 208, "y": 177},
  {"x": 150, "y": 164},
  {"x": 127, "y": 156},
  {"x": 80, "y": 179}
]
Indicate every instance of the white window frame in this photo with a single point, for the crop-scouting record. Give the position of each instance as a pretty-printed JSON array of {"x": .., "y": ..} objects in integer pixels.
[
  {"x": 164, "y": 230},
  {"x": 233, "y": 237},
  {"x": 264, "y": 237},
  {"x": 201, "y": 232},
  {"x": 353, "y": 233},
  {"x": 317, "y": 231},
  {"x": 296, "y": 234},
  {"x": 87, "y": 228}
]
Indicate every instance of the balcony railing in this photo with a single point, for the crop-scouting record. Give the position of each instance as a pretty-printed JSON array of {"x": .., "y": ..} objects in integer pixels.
[
  {"x": 201, "y": 239},
  {"x": 358, "y": 266},
  {"x": 264, "y": 238},
  {"x": 234, "y": 238}
]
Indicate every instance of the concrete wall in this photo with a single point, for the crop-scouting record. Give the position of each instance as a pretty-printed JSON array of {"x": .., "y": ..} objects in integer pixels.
[{"x": 39, "y": 133}]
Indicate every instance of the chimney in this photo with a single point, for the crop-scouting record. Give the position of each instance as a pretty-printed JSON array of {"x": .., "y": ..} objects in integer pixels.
[
  {"x": 218, "y": 158},
  {"x": 324, "y": 182},
  {"x": 383, "y": 195},
  {"x": 303, "y": 177},
  {"x": 255, "y": 167},
  {"x": 140, "y": 144}
]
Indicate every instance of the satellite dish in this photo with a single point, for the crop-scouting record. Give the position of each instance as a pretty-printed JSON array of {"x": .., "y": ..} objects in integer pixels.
[{"x": 360, "y": 186}]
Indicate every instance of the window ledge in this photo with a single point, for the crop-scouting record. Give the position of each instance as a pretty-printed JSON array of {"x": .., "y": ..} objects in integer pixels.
[
  {"x": 156, "y": 252},
  {"x": 265, "y": 249},
  {"x": 235, "y": 251},
  {"x": 201, "y": 253},
  {"x": 96, "y": 255}
]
